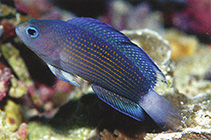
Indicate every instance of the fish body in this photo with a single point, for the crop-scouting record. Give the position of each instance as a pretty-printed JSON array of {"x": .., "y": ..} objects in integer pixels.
[{"x": 120, "y": 72}]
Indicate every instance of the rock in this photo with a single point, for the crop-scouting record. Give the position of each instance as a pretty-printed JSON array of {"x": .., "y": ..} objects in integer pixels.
[{"x": 183, "y": 45}]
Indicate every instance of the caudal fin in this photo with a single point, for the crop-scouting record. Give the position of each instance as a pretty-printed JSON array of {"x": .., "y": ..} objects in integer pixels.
[{"x": 162, "y": 111}]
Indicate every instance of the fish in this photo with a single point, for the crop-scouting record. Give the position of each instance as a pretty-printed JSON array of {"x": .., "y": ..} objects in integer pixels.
[{"x": 121, "y": 73}]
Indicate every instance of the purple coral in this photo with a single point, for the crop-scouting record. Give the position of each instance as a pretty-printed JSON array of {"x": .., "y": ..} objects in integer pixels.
[
  {"x": 39, "y": 9},
  {"x": 7, "y": 30},
  {"x": 23, "y": 132},
  {"x": 5, "y": 76},
  {"x": 195, "y": 18},
  {"x": 45, "y": 92}
]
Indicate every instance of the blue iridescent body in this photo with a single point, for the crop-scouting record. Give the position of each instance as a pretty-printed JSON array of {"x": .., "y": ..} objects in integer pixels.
[{"x": 120, "y": 72}]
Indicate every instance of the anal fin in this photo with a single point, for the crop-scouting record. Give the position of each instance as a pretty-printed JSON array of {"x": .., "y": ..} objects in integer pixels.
[
  {"x": 62, "y": 75},
  {"x": 120, "y": 103}
]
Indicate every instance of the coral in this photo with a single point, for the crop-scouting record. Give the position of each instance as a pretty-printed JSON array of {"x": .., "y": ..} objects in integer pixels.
[
  {"x": 117, "y": 135},
  {"x": 14, "y": 115},
  {"x": 189, "y": 134},
  {"x": 39, "y": 9},
  {"x": 7, "y": 10},
  {"x": 63, "y": 111},
  {"x": 39, "y": 98},
  {"x": 62, "y": 86},
  {"x": 195, "y": 17},
  {"x": 40, "y": 131},
  {"x": 106, "y": 135},
  {"x": 189, "y": 81},
  {"x": 9, "y": 19},
  {"x": 196, "y": 135},
  {"x": 8, "y": 29},
  {"x": 4, "y": 132},
  {"x": 117, "y": 14},
  {"x": 16, "y": 62},
  {"x": 197, "y": 112},
  {"x": 19, "y": 87},
  {"x": 141, "y": 16},
  {"x": 122, "y": 15},
  {"x": 45, "y": 92},
  {"x": 22, "y": 133},
  {"x": 182, "y": 44},
  {"x": 10, "y": 123},
  {"x": 189, "y": 73},
  {"x": 5, "y": 76}
]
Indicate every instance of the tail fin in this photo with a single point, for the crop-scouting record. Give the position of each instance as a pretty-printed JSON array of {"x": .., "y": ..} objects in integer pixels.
[{"x": 162, "y": 111}]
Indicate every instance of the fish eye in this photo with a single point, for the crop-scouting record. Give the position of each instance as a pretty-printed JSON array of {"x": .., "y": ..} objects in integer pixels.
[{"x": 32, "y": 32}]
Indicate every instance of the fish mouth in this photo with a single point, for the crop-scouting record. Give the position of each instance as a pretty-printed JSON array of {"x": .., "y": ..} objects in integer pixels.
[{"x": 19, "y": 30}]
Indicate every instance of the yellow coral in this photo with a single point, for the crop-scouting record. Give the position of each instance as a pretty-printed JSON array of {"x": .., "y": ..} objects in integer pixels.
[
  {"x": 182, "y": 44},
  {"x": 14, "y": 116}
]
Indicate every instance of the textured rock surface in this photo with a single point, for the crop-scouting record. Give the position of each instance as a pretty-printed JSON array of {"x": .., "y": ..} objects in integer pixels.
[
  {"x": 10, "y": 123},
  {"x": 84, "y": 116},
  {"x": 182, "y": 44}
]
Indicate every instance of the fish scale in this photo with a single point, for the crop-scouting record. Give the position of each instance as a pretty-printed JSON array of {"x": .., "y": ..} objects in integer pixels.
[
  {"x": 139, "y": 88},
  {"x": 118, "y": 64},
  {"x": 124, "y": 45},
  {"x": 105, "y": 65},
  {"x": 121, "y": 73}
]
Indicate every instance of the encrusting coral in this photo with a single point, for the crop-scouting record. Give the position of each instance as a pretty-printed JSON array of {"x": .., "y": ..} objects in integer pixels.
[{"x": 33, "y": 110}]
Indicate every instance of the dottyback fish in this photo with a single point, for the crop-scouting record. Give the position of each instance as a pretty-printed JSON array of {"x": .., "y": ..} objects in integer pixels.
[{"x": 120, "y": 72}]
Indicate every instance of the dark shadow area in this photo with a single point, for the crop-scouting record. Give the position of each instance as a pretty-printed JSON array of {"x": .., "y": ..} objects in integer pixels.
[
  {"x": 91, "y": 112},
  {"x": 38, "y": 69},
  {"x": 84, "y": 8}
]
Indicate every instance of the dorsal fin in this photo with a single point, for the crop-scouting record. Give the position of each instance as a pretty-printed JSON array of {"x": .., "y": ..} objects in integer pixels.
[{"x": 118, "y": 40}]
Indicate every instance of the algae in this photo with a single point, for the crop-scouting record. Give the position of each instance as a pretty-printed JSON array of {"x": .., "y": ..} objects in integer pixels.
[{"x": 83, "y": 116}]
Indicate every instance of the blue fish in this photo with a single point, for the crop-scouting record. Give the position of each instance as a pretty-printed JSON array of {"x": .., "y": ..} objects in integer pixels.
[{"x": 121, "y": 73}]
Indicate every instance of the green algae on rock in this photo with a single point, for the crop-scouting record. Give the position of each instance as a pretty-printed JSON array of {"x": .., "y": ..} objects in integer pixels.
[
  {"x": 18, "y": 87},
  {"x": 11, "y": 15},
  {"x": 14, "y": 115},
  {"x": 189, "y": 74},
  {"x": 186, "y": 134},
  {"x": 11, "y": 126},
  {"x": 5, "y": 133},
  {"x": 21, "y": 86},
  {"x": 190, "y": 90},
  {"x": 5, "y": 77},
  {"x": 45, "y": 132},
  {"x": 189, "y": 81},
  {"x": 16, "y": 62}
]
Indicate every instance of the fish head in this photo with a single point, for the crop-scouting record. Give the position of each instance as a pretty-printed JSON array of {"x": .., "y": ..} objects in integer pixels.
[{"x": 40, "y": 37}]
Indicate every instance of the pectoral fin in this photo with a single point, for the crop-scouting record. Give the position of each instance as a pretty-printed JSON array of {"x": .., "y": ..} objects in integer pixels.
[
  {"x": 120, "y": 103},
  {"x": 62, "y": 75}
]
